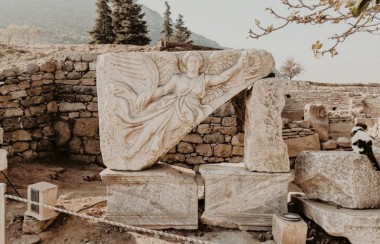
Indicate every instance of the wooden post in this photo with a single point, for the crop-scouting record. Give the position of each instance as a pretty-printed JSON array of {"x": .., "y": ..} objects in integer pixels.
[{"x": 2, "y": 213}]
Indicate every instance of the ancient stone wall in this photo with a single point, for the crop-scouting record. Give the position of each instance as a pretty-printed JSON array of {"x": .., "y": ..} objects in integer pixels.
[
  {"x": 51, "y": 107},
  {"x": 333, "y": 96}
]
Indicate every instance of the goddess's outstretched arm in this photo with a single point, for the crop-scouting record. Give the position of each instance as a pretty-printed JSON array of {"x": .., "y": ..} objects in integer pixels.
[{"x": 144, "y": 98}]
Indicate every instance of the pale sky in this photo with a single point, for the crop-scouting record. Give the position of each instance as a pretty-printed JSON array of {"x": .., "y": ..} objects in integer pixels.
[{"x": 228, "y": 22}]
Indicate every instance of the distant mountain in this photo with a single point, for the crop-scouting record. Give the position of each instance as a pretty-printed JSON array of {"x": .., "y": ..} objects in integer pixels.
[{"x": 69, "y": 21}]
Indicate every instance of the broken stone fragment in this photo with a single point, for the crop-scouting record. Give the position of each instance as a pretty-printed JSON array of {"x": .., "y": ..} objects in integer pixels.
[{"x": 344, "y": 178}]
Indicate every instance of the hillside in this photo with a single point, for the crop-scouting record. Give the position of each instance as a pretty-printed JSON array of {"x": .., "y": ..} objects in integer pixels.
[{"x": 69, "y": 21}]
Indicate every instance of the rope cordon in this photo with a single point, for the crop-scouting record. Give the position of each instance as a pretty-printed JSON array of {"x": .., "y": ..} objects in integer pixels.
[{"x": 127, "y": 227}]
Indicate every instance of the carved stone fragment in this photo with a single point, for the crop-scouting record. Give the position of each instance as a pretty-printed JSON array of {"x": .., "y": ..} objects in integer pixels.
[
  {"x": 149, "y": 102},
  {"x": 265, "y": 150}
]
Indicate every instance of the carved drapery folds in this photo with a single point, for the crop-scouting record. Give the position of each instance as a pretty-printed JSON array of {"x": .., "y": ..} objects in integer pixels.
[{"x": 149, "y": 101}]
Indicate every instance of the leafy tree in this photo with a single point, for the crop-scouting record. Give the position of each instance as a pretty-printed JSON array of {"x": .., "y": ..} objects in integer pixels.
[
  {"x": 181, "y": 33},
  {"x": 356, "y": 15},
  {"x": 290, "y": 68},
  {"x": 103, "y": 30},
  {"x": 167, "y": 26},
  {"x": 128, "y": 23}
]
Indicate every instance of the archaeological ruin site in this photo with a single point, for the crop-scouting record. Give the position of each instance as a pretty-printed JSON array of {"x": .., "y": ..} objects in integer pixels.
[{"x": 183, "y": 143}]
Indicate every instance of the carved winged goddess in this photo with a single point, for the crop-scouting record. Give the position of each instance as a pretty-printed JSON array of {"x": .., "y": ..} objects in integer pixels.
[{"x": 160, "y": 101}]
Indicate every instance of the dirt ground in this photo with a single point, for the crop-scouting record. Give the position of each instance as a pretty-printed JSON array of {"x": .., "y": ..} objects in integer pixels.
[{"x": 81, "y": 190}]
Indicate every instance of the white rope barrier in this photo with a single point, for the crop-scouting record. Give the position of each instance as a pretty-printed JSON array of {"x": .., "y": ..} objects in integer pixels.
[{"x": 127, "y": 227}]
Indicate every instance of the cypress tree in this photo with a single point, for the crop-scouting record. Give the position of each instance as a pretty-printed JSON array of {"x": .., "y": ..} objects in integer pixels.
[
  {"x": 103, "y": 30},
  {"x": 128, "y": 23},
  {"x": 181, "y": 33},
  {"x": 167, "y": 26}
]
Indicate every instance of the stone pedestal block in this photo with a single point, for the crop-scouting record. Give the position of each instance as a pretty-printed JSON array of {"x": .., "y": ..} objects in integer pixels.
[
  {"x": 237, "y": 198},
  {"x": 359, "y": 226},
  {"x": 343, "y": 178},
  {"x": 265, "y": 150},
  {"x": 288, "y": 232},
  {"x": 159, "y": 198}
]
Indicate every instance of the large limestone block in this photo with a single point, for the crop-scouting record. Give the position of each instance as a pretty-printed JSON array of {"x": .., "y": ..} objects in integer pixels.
[
  {"x": 305, "y": 143},
  {"x": 159, "y": 198},
  {"x": 265, "y": 150},
  {"x": 238, "y": 198},
  {"x": 359, "y": 226},
  {"x": 343, "y": 178},
  {"x": 149, "y": 101},
  {"x": 316, "y": 114}
]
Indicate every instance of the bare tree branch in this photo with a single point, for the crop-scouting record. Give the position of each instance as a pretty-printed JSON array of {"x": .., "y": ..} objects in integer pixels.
[{"x": 357, "y": 15}]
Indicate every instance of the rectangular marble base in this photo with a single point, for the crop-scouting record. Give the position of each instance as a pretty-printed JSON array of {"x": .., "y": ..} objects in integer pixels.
[
  {"x": 161, "y": 197},
  {"x": 237, "y": 198}
]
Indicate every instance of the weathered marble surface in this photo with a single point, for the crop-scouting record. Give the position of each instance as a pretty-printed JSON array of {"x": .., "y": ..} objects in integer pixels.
[
  {"x": 149, "y": 101},
  {"x": 238, "y": 198},
  {"x": 287, "y": 232},
  {"x": 161, "y": 197},
  {"x": 317, "y": 115},
  {"x": 305, "y": 143},
  {"x": 265, "y": 150},
  {"x": 343, "y": 178},
  {"x": 359, "y": 226}
]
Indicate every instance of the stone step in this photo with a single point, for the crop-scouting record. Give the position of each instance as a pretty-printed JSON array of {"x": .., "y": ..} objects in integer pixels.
[{"x": 359, "y": 226}]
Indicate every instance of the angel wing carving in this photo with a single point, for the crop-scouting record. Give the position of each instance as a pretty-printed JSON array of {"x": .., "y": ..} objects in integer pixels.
[
  {"x": 138, "y": 71},
  {"x": 218, "y": 62}
]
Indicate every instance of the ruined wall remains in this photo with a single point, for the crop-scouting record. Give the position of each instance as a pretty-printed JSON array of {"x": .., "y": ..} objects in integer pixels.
[
  {"x": 344, "y": 103},
  {"x": 51, "y": 107},
  {"x": 333, "y": 96}
]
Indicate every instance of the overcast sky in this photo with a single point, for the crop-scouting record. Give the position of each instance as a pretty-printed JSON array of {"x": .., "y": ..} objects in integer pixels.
[{"x": 228, "y": 23}]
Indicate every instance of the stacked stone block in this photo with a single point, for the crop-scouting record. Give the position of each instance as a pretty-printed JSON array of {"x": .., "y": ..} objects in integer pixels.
[{"x": 24, "y": 95}]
